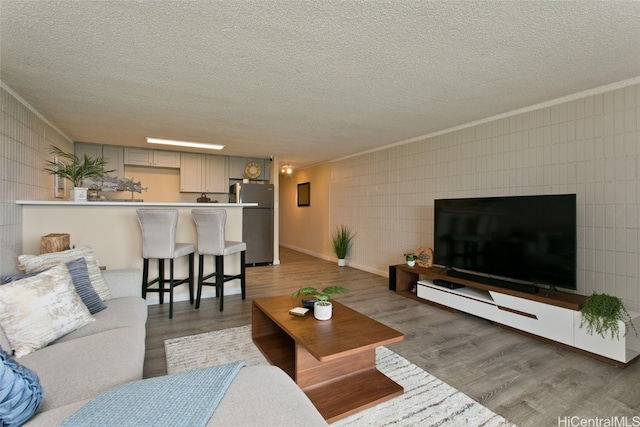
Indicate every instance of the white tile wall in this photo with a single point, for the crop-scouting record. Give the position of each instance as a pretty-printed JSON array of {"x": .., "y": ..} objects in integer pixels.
[
  {"x": 588, "y": 146},
  {"x": 25, "y": 138}
]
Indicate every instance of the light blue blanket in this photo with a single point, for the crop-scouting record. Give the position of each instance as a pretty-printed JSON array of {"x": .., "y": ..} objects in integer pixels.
[{"x": 183, "y": 399}]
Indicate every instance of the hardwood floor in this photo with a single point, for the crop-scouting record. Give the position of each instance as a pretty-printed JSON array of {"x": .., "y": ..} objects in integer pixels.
[{"x": 527, "y": 381}]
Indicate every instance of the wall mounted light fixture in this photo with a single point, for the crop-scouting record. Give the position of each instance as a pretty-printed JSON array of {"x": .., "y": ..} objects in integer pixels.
[{"x": 285, "y": 169}]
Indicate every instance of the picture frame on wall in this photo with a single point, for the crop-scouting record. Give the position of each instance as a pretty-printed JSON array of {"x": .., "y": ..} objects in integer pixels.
[{"x": 304, "y": 194}]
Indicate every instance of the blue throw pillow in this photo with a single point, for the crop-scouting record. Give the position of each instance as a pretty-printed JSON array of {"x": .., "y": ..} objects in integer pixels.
[
  {"x": 82, "y": 282},
  {"x": 20, "y": 392}
]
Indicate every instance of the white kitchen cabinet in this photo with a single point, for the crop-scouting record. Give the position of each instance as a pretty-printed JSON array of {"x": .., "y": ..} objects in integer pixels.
[
  {"x": 138, "y": 157},
  {"x": 202, "y": 173},
  {"x": 114, "y": 156},
  {"x": 111, "y": 153},
  {"x": 216, "y": 177},
  {"x": 191, "y": 166},
  {"x": 156, "y": 158}
]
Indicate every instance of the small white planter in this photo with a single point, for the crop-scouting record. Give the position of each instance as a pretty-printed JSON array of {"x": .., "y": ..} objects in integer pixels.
[
  {"x": 78, "y": 194},
  {"x": 411, "y": 263},
  {"x": 322, "y": 310},
  {"x": 341, "y": 262}
]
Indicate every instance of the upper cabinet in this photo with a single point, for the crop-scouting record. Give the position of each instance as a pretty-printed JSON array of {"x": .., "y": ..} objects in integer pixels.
[
  {"x": 112, "y": 154},
  {"x": 199, "y": 173},
  {"x": 146, "y": 157},
  {"x": 203, "y": 173},
  {"x": 216, "y": 175},
  {"x": 243, "y": 167},
  {"x": 191, "y": 166}
]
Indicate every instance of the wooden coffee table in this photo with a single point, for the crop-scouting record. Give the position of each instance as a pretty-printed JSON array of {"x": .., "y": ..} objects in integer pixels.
[{"x": 332, "y": 361}]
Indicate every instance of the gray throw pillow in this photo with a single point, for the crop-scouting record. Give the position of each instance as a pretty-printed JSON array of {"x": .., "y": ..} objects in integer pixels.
[{"x": 81, "y": 281}]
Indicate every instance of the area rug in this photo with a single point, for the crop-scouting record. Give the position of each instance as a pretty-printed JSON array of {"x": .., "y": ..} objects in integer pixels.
[{"x": 426, "y": 401}]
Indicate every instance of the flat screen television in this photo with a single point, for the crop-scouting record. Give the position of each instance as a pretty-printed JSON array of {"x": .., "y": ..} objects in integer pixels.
[{"x": 520, "y": 240}]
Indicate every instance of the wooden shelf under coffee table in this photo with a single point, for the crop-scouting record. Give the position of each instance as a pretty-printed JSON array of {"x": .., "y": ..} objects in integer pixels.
[{"x": 333, "y": 361}]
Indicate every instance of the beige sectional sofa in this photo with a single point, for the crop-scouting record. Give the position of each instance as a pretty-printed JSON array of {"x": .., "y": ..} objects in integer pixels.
[
  {"x": 107, "y": 352},
  {"x": 110, "y": 351}
]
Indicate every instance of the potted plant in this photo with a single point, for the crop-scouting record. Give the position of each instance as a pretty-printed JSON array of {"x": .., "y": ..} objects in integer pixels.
[
  {"x": 341, "y": 240},
  {"x": 322, "y": 308},
  {"x": 410, "y": 258},
  {"x": 601, "y": 313},
  {"x": 69, "y": 166}
]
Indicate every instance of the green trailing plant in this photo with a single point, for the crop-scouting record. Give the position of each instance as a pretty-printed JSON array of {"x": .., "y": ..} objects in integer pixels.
[
  {"x": 342, "y": 240},
  {"x": 73, "y": 168},
  {"x": 320, "y": 295},
  {"x": 601, "y": 313},
  {"x": 410, "y": 256}
]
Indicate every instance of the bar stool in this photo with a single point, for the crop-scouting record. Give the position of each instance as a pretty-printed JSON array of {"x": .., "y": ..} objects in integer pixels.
[
  {"x": 159, "y": 242},
  {"x": 210, "y": 225}
]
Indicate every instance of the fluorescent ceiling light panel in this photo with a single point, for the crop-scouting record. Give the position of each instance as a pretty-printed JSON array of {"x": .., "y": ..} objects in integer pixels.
[{"x": 184, "y": 143}]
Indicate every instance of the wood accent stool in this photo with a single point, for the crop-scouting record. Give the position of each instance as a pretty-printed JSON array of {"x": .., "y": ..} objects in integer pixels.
[
  {"x": 333, "y": 361},
  {"x": 55, "y": 242}
]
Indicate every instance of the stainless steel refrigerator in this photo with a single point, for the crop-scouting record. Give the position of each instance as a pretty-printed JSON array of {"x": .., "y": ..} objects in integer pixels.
[{"x": 257, "y": 221}]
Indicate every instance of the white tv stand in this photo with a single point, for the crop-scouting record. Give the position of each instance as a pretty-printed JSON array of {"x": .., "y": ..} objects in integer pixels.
[{"x": 554, "y": 318}]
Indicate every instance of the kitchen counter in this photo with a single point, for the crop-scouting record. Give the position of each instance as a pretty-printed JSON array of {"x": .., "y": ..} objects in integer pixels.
[{"x": 113, "y": 231}]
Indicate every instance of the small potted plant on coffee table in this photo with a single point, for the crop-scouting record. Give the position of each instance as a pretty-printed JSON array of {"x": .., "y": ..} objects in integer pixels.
[{"x": 322, "y": 308}]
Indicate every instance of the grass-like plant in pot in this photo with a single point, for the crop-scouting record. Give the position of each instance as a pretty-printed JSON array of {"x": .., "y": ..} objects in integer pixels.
[
  {"x": 322, "y": 308},
  {"x": 342, "y": 240},
  {"x": 601, "y": 313},
  {"x": 71, "y": 167}
]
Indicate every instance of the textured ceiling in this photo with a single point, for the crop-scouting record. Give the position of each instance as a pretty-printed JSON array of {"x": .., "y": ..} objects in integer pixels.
[{"x": 309, "y": 81}]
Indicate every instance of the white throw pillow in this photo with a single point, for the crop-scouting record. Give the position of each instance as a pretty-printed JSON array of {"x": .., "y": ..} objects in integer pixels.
[
  {"x": 44, "y": 261},
  {"x": 38, "y": 310}
]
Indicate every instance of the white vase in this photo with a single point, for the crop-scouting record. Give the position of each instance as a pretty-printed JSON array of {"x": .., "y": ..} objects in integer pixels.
[
  {"x": 78, "y": 194},
  {"x": 341, "y": 262},
  {"x": 411, "y": 263},
  {"x": 322, "y": 310}
]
